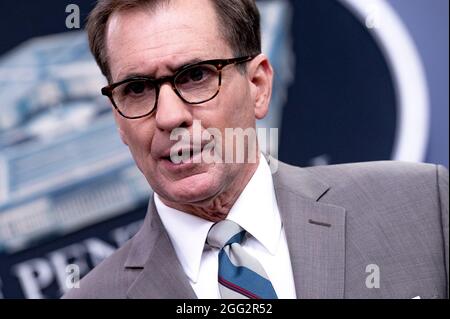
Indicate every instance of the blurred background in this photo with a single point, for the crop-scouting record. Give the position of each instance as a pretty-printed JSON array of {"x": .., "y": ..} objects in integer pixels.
[{"x": 356, "y": 80}]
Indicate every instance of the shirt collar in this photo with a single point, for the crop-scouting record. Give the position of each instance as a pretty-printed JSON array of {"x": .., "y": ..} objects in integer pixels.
[
  {"x": 255, "y": 210},
  {"x": 187, "y": 234}
]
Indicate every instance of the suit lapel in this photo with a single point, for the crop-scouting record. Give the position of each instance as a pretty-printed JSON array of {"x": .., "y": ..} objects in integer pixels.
[
  {"x": 315, "y": 233},
  {"x": 162, "y": 275}
]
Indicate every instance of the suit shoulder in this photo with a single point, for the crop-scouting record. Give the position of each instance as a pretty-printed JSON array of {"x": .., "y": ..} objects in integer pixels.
[
  {"x": 107, "y": 280},
  {"x": 368, "y": 176},
  {"x": 370, "y": 184},
  {"x": 385, "y": 186},
  {"x": 379, "y": 174}
]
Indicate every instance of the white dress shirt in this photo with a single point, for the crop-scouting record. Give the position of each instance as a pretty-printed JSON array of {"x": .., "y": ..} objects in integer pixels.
[{"x": 256, "y": 211}]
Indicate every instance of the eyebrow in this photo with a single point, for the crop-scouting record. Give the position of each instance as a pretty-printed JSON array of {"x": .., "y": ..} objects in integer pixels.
[{"x": 172, "y": 69}]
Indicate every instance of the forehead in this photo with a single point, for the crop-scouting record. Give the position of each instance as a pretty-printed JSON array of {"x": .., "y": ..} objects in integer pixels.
[{"x": 163, "y": 39}]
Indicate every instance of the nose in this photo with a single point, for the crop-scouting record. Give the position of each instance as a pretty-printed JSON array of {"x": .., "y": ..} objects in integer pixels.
[{"x": 171, "y": 111}]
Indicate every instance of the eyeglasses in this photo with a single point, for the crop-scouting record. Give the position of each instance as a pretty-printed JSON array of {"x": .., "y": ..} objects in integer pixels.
[{"x": 195, "y": 83}]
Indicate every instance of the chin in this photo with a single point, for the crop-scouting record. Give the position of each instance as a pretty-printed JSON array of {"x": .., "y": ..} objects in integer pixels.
[{"x": 192, "y": 189}]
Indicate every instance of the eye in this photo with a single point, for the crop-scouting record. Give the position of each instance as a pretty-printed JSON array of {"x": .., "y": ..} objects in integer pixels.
[
  {"x": 136, "y": 87},
  {"x": 195, "y": 75}
]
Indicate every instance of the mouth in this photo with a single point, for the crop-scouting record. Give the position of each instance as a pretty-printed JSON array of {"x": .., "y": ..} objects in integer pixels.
[{"x": 183, "y": 157}]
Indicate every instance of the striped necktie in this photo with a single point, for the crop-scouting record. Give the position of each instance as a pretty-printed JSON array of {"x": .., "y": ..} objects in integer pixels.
[{"x": 240, "y": 275}]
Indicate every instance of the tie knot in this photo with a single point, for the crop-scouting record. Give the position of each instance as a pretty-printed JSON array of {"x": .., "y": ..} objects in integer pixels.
[{"x": 225, "y": 232}]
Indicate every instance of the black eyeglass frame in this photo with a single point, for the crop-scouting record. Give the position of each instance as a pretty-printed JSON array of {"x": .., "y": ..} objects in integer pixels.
[{"x": 219, "y": 64}]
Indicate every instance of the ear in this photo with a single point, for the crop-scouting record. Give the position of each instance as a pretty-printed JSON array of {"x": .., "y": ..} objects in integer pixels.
[{"x": 260, "y": 74}]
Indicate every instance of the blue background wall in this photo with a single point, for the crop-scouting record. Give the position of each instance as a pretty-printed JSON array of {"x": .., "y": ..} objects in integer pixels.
[{"x": 427, "y": 21}]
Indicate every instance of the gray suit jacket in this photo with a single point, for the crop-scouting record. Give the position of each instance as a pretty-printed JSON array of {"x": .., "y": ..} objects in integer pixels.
[{"x": 338, "y": 220}]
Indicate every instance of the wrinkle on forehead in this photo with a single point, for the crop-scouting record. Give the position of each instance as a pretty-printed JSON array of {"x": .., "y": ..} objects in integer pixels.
[{"x": 159, "y": 41}]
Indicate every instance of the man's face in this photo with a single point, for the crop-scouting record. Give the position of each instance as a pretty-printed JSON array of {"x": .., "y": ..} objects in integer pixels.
[{"x": 156, "y": 44}]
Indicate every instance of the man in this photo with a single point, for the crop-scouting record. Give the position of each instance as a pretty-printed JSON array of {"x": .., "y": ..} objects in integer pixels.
[{"x": 231, "y": 229}]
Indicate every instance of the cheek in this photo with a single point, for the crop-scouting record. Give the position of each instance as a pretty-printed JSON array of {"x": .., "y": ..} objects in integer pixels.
[
  {"x": 139, "y": 136},
  {"x": 242, "y": 115},
  {"x": 236, "y": 108}
]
